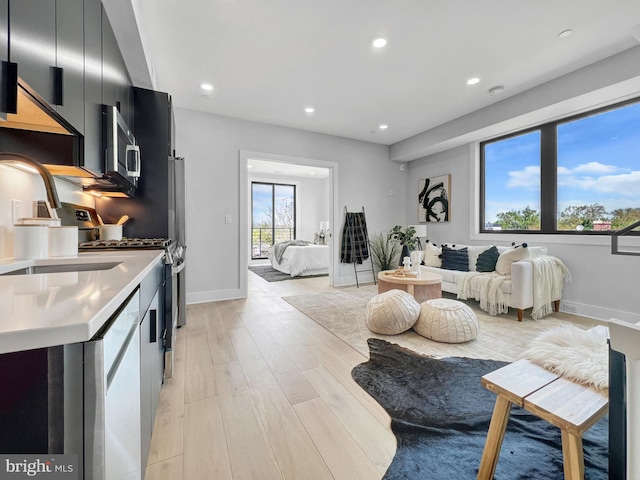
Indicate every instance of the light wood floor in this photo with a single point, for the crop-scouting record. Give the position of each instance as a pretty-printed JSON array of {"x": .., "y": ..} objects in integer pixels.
[{"x": 263, "y": 392}]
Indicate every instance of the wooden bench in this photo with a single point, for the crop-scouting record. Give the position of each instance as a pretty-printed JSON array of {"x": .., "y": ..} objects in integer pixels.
[{"x": 568, "y": 405}]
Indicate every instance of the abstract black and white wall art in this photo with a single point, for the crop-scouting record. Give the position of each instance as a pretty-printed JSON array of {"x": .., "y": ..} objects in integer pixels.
[{"x": 434, "y": 198}]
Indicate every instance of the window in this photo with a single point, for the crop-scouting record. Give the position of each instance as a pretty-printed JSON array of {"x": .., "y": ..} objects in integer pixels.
[
  {"x": 577, "y": 175},
  {"x": 273, "y": 213}
]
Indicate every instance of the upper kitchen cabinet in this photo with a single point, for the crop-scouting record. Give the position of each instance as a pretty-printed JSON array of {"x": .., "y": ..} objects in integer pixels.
[
  {"x": 70, "y": 59},
  {"x": 116, "y": 84},
  {"x": 93, "y": 154},
  {"x": 33, "y": 45}
]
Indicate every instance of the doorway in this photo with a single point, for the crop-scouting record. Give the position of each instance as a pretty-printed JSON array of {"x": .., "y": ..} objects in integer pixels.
[{"x": 311, "y": 215}]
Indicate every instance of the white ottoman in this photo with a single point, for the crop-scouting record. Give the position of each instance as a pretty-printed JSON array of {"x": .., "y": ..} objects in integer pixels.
[
  {"x": 448, "y": 321},
  {"x": 391, "y": 312}
]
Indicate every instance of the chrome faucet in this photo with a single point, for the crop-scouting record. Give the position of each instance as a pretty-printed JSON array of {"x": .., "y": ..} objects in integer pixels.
[{"x": 49, "y": 184}]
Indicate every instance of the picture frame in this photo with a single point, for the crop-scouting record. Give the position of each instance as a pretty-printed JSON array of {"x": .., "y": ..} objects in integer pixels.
[{"x": 434, "y": 199}]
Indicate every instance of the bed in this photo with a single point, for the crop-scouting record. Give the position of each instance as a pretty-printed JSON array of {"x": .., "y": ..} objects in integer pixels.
[{"x": 299, "y": 259}]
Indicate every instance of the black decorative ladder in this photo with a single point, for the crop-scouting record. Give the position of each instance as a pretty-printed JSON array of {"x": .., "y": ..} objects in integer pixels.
[{"x": 355, "y": 247}]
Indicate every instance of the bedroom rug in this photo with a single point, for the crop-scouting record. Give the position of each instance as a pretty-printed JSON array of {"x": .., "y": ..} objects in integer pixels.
[
  {"x": 270, "y": 274},
  {"x": 500, "y": 338},
  {"x": 440, "y": 415}
]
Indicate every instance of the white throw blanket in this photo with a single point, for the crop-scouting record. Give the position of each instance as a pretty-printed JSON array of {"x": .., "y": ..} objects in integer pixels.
[
  {"x": 548, "y": 275},
  {"x": 485, "y": 288}
]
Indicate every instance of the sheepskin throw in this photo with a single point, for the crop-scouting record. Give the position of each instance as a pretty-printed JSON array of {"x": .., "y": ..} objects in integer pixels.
[{"x": 574, "y": 353}]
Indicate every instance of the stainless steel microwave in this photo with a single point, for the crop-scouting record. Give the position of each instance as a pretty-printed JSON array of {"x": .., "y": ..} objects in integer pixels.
[{"x": 123, "y": 161}]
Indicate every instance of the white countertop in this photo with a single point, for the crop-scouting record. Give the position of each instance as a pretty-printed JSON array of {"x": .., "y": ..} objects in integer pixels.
[{"x": 47, "y": 309}]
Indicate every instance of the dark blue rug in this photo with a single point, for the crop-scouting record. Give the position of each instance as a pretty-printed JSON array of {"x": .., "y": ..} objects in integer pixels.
[
  {"x": 270, "y": 274},
  {"x": 440, "y": 415}
]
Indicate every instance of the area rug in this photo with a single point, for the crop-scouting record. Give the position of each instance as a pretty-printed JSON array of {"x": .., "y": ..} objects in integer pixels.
[
  {"x": 500, "y": 338},
  {"x": 270, "y": 274},
  {"x": 440, "y": 415}
]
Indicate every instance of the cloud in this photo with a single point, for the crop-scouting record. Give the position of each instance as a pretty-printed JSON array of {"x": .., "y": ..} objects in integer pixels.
[
  {"x": 595, "y": 168},
  {"x": 626, "y": 184},
  {"x": 527, "y": 178}
]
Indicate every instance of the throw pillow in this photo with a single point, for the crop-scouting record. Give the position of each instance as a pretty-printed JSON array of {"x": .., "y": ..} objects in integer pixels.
[
  {"x": 503, "y": 265},
  {"x": 487, "y": 260},
  {"x": 474, "y": 251},
  {"x": 455, "y": 259},
  {"x": 432, "y": 255}
]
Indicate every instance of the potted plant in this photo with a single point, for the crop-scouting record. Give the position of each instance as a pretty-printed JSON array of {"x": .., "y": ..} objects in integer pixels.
[
  {"x": 407, "y": 239},
  {"x": 385, "y": 251}
]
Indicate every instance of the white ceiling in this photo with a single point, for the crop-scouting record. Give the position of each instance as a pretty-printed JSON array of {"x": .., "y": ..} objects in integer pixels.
[
  {"x": 268, "y": 59},
  {"x": 264, "y": 167}
]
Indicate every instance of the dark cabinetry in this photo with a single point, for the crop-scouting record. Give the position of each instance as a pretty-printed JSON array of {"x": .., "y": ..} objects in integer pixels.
[
  {"x": 70, "y": 59},
  {"x": 4, "y": 59},
  {"x": 67, "y": 56},
  {"x": 93, "y": 155},
  {"x": 116, "y": 85},
  {"x": 33, "y": 44},
  {"x": 152, "y": 333}
]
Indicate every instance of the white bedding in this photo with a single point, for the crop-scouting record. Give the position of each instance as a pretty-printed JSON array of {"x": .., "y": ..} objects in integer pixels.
[{"x": 307, "y": 260}]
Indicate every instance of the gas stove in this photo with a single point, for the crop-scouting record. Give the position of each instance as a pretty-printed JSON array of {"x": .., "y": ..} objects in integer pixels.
[{"x": 126, "y": 243}]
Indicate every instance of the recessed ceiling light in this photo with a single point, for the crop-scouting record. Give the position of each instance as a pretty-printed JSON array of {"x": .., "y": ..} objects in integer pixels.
[
  {"x": 565, "y": 33},
  {"x": 206, "y": 86},
  {"x": 379, "y": 42},
  {"x": 497, "y": 90},
  {"x": 309, "y": 109},
  {"x": 383, "y": 126},
  {"x": 312, "y": 173},
  {"x": 473, "y": 81}
]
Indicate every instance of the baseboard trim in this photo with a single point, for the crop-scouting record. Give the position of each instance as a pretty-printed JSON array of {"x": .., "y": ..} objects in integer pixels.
[
  {"x": 598, "y": 313},
  {"x": 214, "y": 296}
]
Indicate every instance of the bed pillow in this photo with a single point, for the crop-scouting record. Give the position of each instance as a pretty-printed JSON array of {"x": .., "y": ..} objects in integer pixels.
[
  {"x": 487, "y": 260},
  {"x": 432, "y": 255},
  {"x": 455, "y": 259},
  {"x": 503, "y": 265}
]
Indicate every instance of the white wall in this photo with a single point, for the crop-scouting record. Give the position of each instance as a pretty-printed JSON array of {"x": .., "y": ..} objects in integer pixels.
[
  {"x": 28, "y": 187},
  {"x": 211, "y": 145}
]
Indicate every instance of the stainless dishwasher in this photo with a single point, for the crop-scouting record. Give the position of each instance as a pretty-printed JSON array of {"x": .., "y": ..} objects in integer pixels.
[{"x": 112, "y": 397}]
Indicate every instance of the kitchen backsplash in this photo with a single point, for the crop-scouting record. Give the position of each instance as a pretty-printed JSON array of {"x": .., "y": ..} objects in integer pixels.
[{"x": 27, "y": 188}]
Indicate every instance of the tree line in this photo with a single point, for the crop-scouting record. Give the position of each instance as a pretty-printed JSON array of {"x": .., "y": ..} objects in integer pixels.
[{"x": 581, "y": 217}]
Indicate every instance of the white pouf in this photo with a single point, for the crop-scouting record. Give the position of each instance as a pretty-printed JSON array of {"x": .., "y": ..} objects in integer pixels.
[
  {"x": 448, "y": 321},
  {"x": 391, "y": 312}
]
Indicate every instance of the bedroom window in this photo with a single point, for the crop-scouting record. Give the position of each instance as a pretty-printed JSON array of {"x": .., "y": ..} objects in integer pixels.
[
  {"x": 273, "y": 214},
  {"x": 579, "y": 175}
]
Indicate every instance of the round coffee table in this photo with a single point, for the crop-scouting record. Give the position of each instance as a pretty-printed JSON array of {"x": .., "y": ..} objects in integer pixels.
[{"x": 425, "y": 287}]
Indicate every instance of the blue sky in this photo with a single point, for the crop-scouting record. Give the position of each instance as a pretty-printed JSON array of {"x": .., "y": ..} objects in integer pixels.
[
  {"x": 598, "y": 162},
  {"x": 262, "y": 199}
]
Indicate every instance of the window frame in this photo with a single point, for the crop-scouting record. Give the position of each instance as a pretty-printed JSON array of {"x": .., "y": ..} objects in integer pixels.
[
  {"x": 273, "y": 186},
  {"x": 548, "y": 175}
]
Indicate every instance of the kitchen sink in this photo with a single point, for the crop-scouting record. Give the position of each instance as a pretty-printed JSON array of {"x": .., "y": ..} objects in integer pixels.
[{"x": 67, "y": 267}]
